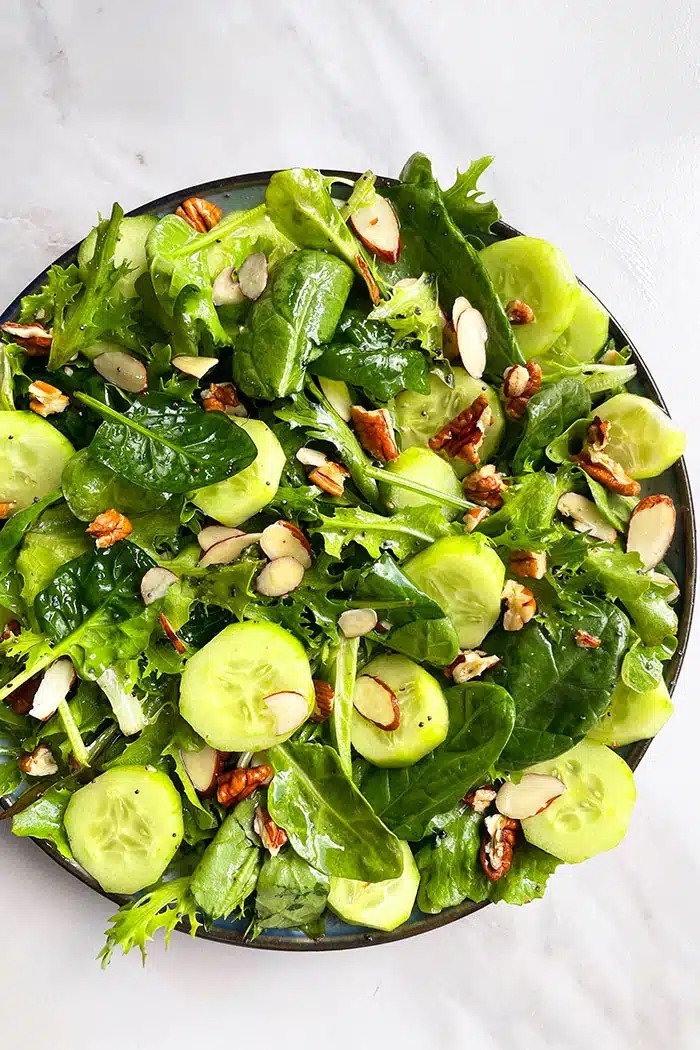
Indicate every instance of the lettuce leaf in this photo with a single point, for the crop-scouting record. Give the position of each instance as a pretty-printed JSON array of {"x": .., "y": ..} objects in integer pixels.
[{"x": 161, "y": 908}]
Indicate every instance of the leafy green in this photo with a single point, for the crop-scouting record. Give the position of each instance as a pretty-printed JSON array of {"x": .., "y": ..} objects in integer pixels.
[
  {"x": 363, "y": 193},
  {"x": 462, "y": 200},
  {"x": 160, "y": 908},
  {"x": 10, "y": 366},
  {"x": 291, "y": 895},
  {"x": 53, "y": 297},
  {"x": 481, "y": 721},
  {"x": 90, "y": 488},
  {"x": 341, "y": 715},
  {"x": 653, "y": 618},
  {"x": 14, "y": 530},
  {"x": 54, "y": 539},
  {"x": 298, "y": 310},
  {"x": 615, "y": 508},
  {"x": 412, "y": 312},
  {"x": 404, "y": 533},
  {"x": 44, "y": 819},
  {"x": 327, "y": 820},
  {"x": 549, "y": 412},
  {"x": 228, "y": 871}
]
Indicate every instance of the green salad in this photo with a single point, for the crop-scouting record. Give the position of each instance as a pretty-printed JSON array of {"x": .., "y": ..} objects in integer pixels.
[{"x": 327, "y": 582}]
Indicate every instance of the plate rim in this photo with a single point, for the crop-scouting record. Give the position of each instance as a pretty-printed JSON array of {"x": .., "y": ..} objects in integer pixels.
[{"x": 365, "y": 937}]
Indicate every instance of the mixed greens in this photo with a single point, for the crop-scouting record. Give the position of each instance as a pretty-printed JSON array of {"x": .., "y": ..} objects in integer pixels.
[{"x": 326, "y": 579}]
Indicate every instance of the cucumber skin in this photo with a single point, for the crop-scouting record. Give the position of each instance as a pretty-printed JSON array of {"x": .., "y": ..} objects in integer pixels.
[
  {"x": 40, "y": 456},
  {"x": 385, "y": 913},
  {"x": 425, "y": 466},
  {"x": 633, "y": 716}
]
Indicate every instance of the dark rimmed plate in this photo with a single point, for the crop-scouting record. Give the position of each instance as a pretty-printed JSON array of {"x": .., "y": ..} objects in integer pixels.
[{"x": 244, "y": 191}]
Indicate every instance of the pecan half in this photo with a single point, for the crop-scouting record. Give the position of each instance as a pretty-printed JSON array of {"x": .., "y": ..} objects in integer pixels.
[
  {"x": 532, "y": 564},
  {"x": 47, "y": 400},
  {"x": 199, "y": 213},
  {"x": 470, "y": 663},
  {"x": 372, "y": 286},
  {"x": 474, "y": 517},
  {"x": 480, "y": 798},
  {"x": 519, "y": 312},
  {"x": 22, "y": 699},
  {"x": 600, "y": 467},
  {"x": 7, "y": 508},
  {"x": 109, "y": 527},
  {"x": 33, "y": 338},
  {"x": 271, "y": 835},
  {"x": 324, "y": 700},
  {"x": 222, "y": 397},
  {"x": 497, "y": 843},
  {"x": 520, "y": 382},
  {"x": 485, "y": 486},
  {"x": 584, "y": 640},
  {"x": 10, "y": 630},
  {"x": 462, "y": 436},
  {"x": 237, "y": 784},
  {"x": 598, "y": 434},
  {"x": 330, "y": 477},
  {"x": 521, "y": 605},
  {"x": 375, "y": 432},
  {"x": 39, "y": 763}
]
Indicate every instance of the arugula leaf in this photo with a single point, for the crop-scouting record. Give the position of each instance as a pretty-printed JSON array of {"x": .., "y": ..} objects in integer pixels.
[
  {"x": 161, "y": 908},
  {"x": 228, "y": 871},
  {"x": 549, "y": 412},
  {"x": 412, "y": 311},
  {"x": 44, "y": 819},
  {"x": 291, "y": 895},
  {"x": 404, "y": 533},
  {"x": 481, "y": 721},
  {"x": 462, "y": 200}
]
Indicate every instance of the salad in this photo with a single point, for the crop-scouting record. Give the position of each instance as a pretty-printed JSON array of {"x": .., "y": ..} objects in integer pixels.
[{"x": 327, "y": 581}]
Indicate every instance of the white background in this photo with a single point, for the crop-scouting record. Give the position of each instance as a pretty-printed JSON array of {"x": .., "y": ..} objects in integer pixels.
[{"x": 593, "y": 111}]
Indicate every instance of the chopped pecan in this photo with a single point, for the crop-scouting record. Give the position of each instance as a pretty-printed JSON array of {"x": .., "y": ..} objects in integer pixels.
[
  {"x": 222, "y": 397},
  {"x": 375, "y": 432},
  {"x": 515, "y": 380},
  {"x": 372, "y": 286},
  {"x": 497, "y": 843},
  {"x": 485, "y": 486},
  {"x": 480, "y": 798},
  {"x": 584, "y": 640},
  {"x": 33, "y": 338},
  {"x": 474, "y": 518},
  {"x": 519, "y": 312},
  {"x": 330, "y": 477},
  {"x": 271, "y": 835},
  {"x": 22, "y": 699},
  {"x": 237, "y": 784},
  {"x": 324, "y": 700},
  {"x": 600, "y": 467},
  {"x": 10, "y": 630},
  {"x": 47, "y": 400},
  {"x": 199, "y": 213},
  {"x": 521, "y": 605},
  {"x": 463, "y": 435},
  {"x": 7, "y": 508},
  {"x": 39, "y": 763},
  {"x": 109, "y": 527},
  {"x": 470, "y": 663},
  {"x": 598, "y": 434},
  {"x": 532, "y": 564},
  {"x": 518, "y": 387}
]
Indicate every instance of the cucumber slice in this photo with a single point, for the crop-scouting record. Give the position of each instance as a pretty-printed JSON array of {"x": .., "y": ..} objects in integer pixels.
[
  {"x": 583, "y": 339},
  {"x": 424, "y": 465},
  {"x": 643, "y": 440},
  {"x": 131, "y": 248},
  {"x": 424, "y": 714},
  {"x": 594, "y": 812},
  {"x": 421, "y": 416},
  {"x": 537, "y": 272},
  {"x": 224, "y": 686},
  {"x": 380, "y": 905},
  {"x": 238, "y": 498},
  {"x": 125, "y": 827},
  {"x": 32, "y": 457},
  {"x": 464, "y": 575},
  {"x": 633, "y": 716}
]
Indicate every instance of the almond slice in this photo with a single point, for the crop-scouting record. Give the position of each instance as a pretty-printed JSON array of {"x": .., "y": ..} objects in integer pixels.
[
  {"x": 378, "y": 228},
  {"x": 651, "y": 529},
  {"x": 311, "y": 457},
  {"x": 586, "y": 516},
  {"x": 530, "y": 796},
  {"x": 460, "y": 304},
  {"x": 338, "y": 395},
  {"x": 356, "y": 622},
  {"x": 288, "y": 709},
  {"x": 53, "y": 688},
  {"x": 156, "y": 583},
  {"x": 214, "y": 534},
  {"x": 472, "y": 334},
  {"x": 226, "y": 551},
  {"x": 252, "y": 275},
  {"x": 282, "y": 539},
  {"x": 376, "y": 702},
  {"x": 226, "y": 291},
  {"x": 202, "y": 767},
  {"x": 122, "y": 370},
  {"x": 194, "y": 366},
  {"x": 179, "y": 645},
  {"x": 279, "y": 577}
]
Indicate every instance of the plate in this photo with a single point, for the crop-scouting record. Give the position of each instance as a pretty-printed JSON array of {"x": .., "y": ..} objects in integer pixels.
[{"x": 245, "y": 191}]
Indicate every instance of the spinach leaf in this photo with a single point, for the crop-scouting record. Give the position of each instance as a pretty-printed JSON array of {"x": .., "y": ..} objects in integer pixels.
[
  {"x": 166, "y": 446},
  {"x": 54, "y": 539},
  {"x": 559, "y": 690},
  {"x": 462, "y": 200},
  {"x": 327, "y": 820},
  {"x": 160, "y": 908},
  {"x": 412, "y": 311},
  {"x": 341, "y": 715},
  {"x": 549, "y": 412},
  {"x": 481, "y": 721},
  {"x": 90, "y": 488},
  {"x": 44, "y": 819},
  {"x": 404, "y": 533},
  {"x": 10, "y": 775},
  {"x": 291, "y": 895},
  {"x": 298, "y": 310},
  {"x": 228, "y": 871}
]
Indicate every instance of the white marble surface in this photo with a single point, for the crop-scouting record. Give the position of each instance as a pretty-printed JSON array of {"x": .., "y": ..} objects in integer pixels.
[{"x": 593, "y": 111}]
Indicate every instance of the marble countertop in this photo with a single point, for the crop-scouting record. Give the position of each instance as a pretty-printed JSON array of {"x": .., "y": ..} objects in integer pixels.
[{"x": 593, "y": 111}]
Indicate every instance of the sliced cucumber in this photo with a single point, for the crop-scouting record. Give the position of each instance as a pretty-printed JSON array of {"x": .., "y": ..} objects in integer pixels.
[
  {"x": 421, "y": 416},
  {"x": 125, "y": 827},
  {"x": 224, "y": 686},
  {"x": 584, "y": 338},
  {"x": 424, "y": 465},
  {"x": 424, "y": 714},
  {"x": 464, "y": 575},
  {"x": 643, "y": 440},
  {"x": 594, "y": 812},
  {"x": 238, "y": 498},
  {"x": 536, "y": 272},
  {"x": 32, "y": 457},
  {"x": 633, "y": 716},
  {"x": 131, "y": 248},
  {"x": 380, "y": 905}
]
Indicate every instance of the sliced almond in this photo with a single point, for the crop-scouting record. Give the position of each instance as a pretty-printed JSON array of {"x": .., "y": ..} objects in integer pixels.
[
  {"x": 179, "y": 645},
  {"x": 376, "y": 702},
  {"x": 586, "y": 516},
  {"x": 282, "y": 539},
  {"x": 288, "y": 709},
  {"x": 226, "y": 551},
  {"x": 53, "y": 688},
  {"x": 651, "y": 529},
  {"x": 311, "y": 457},
  {"x": 122, "y": 370},
  {"x": 337, "y": 393},
  {"x": 252, "y": 275},
  {"x": 378, "y": 228},
  {"x": 458, "y": 307},
  {"x": 356, "y": 622},
  {"x": 472, "y": 334},
  {"x": 666, "y": 581},
  {"x": 156, "y": 583},
  {"x": 279, "y": 577},
  {"x": 202, "y": 767},
  {"x": 530, "y": 796},
  {"x": 215, "y": 534},
  {"x": 226, "y": 291},
  {"x": 194, "y": 366}
]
